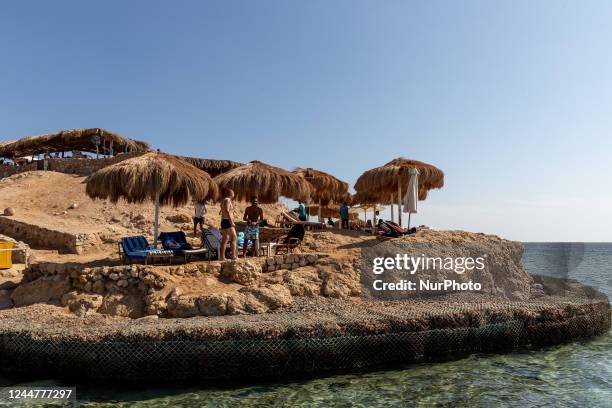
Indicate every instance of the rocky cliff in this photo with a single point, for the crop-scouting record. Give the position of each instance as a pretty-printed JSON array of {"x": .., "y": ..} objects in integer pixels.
[{"x": 434, "y": 262}]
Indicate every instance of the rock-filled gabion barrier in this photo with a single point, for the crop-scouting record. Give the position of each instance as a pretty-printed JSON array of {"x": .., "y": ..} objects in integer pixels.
[{"x": 321, "y": 335}]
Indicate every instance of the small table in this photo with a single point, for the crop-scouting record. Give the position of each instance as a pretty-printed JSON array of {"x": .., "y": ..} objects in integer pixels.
[
  {"x": 268, "y": 246},
  {"x": 159, "y": 254}
]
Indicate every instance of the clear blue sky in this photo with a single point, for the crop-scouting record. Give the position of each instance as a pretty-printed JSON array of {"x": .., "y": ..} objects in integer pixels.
[{"x": 513, "y": 100}]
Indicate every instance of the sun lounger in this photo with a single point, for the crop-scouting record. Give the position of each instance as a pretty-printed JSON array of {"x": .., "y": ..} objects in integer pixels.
[
  {"x": 177, "y": 243},
  {"x": 137, "y": 248},
  {"x": 211, "y": 239},
  {"x": 288, "y": 219},
  {"x": 291, "y": 241}
]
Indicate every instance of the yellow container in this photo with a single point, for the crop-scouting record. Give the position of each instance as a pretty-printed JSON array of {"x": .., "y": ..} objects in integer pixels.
[{"x": 6, "y": 255}]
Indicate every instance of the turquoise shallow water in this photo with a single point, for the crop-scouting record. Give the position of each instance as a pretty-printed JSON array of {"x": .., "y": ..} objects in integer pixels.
[{"x": 571, "y": 375}]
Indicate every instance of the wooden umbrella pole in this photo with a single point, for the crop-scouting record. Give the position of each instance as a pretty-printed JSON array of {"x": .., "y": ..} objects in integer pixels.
[
  {"x": 408, "y": 221},
  {"x": 156, "y": 222},
  {"x": 399, "y": 203},
  {"x": 320, "y": 211},
  {"x": 392, "y": 215},
  {"x": 374, "y": 226}
]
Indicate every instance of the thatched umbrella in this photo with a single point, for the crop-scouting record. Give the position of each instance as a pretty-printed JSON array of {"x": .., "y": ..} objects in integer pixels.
[
  {"x": 211, "y": 166},
  {"x": 154, "y": 176},
  {"x": 324, "y": 188},
  {"x": 366, "y": 204},
  {"x": 266, "y": 182},
  {"x": 386, "y": 181}
]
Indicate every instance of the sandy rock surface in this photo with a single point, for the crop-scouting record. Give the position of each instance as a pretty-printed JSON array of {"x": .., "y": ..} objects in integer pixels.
[
  {"x": 242, "y": 272},
  {"x": 45, "y": 289}
]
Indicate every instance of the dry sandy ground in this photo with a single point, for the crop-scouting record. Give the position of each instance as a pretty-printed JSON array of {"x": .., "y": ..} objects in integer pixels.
[{"x": 45, "y": 198}]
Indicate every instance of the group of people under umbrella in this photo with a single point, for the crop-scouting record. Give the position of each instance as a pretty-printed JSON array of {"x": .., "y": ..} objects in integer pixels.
[{"x": 168, "y": 180}]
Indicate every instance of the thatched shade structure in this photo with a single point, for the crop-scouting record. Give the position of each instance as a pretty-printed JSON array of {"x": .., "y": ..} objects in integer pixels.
[
  {"x": 324, "y": 188},
  {"x": 266, "y": 182},
  {"x": 154, "y": 176},
  {"x": 384, "y": 184},
  {"x": 72, "y": 139},
  {"x": 211, "y": 166},
  {"x": 384, "y": 179}
]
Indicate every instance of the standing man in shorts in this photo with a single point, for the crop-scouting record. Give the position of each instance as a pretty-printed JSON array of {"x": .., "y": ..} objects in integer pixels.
[
  {"x": 228, "y": 228},
  {"x": 253, "y": 215}
]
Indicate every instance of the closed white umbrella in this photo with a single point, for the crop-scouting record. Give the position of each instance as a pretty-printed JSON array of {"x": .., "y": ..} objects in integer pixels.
[{"x": 412, "y": 194}]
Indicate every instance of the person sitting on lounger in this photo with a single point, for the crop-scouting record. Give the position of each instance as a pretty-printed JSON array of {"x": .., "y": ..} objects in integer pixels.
[
  {"x": 344, "y": 215},
  {"x": 302, "y": 209},
  {"x": 330, "y": 221},
  {"x": 253, "y": 215},
  {"x": 228, "y": 228},
  {"x": 198, "y": 218}
]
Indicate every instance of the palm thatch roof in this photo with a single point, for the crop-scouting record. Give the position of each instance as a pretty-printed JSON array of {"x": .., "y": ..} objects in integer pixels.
[
  {"x": 67, "y": 140},
  {"x": 141, "y": 178},
  {"x": 380, "y": 183},
  {"x": 266, "y": 182},
  {"x": 387, "y": 198},
  {"x": 211, "y": 166},
  {"x": 325, "y": 188}
]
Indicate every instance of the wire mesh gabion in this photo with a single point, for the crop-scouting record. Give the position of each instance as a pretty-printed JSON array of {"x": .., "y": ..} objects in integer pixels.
[{"x": 184, "y": 354}]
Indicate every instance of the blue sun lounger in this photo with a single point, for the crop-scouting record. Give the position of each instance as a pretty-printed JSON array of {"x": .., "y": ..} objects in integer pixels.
[
  {"x": 138, "y": 249},
  {"x": 177, "y": 243}
]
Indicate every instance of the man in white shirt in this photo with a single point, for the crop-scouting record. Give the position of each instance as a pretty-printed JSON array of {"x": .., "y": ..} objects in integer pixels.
[{"x": 198, "y": 218}]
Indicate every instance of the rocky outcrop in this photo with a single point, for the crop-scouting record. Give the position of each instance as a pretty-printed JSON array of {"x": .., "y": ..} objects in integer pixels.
[
  {"x": 272, "y": 296},
  {"x": 82, "y": 304},
  {"x": 242, "y": 272},
  {"x": 248, "y": 300},
  {"x": 452, "y": 256},
  {"x": 304, "y": 281},
  {"x": 42, "y": 290},
  {"x": 183, "y": 306},
  {"x": 340, "y": 277},
  {"x": 130, "y": 304},
  {"x": 213, "y": 305}
]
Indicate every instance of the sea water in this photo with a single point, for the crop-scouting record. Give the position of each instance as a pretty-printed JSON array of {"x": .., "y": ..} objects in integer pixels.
[{"x": 571, "y": 375}]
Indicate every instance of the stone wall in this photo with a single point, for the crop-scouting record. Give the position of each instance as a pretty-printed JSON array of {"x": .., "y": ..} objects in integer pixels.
[
  {"x": 22, "y": 256},
  {"x": 41, "y": 237},
  {"x": 7, "y": 170},
  {"x": 80, "y": 166}
]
